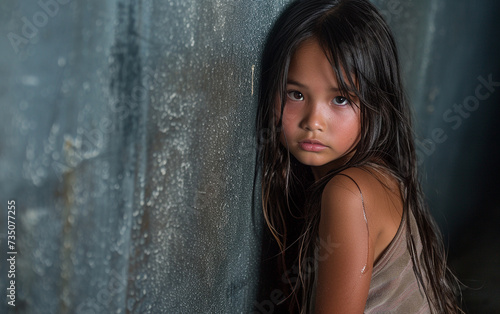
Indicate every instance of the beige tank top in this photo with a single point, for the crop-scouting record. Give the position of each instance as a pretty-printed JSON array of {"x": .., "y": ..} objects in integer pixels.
[{"x": 394, "y": 288}]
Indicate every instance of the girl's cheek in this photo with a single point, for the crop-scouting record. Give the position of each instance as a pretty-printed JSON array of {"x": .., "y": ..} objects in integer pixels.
[{"x": 291, "y": 114}]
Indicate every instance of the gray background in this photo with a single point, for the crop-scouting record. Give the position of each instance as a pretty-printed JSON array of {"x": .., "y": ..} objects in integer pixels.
[{"x": 127, "y": 143}]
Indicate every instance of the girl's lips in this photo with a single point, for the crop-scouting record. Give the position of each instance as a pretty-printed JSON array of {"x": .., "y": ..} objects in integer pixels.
[{"x": 312, "y": 145}]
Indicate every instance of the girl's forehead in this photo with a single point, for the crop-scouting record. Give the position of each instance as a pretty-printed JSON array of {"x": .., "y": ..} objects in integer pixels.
[
  {"x": 307, "y": 50},
  {"x": 308, "y": 60},
  {"x": 309, "y": 56},
  {"x": 308, "y": 44}
]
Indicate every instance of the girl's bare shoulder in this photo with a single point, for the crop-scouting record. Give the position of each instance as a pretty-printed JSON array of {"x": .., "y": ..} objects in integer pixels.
[
  {"x": 377, "y": 188},
  {"x": 373, "y": 191}
]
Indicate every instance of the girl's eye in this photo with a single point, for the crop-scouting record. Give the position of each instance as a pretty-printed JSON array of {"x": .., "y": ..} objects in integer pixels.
[
  {"x": 296, "y": 96},
  {"x": 340, "y": 101}
]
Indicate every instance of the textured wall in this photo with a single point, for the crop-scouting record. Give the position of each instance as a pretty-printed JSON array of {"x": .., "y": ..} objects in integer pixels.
[
  {"x": 126, "y": 141},
  {"x": 127, "y": 144}
]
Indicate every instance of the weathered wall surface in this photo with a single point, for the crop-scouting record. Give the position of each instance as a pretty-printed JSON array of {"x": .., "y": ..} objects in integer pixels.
[{"x": 127, "y": 144}]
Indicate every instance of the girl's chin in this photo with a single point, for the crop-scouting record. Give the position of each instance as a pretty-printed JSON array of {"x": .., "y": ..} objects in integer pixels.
[
  {"x": 323, "y": 165},
  {"x": 313, "y": 162}
]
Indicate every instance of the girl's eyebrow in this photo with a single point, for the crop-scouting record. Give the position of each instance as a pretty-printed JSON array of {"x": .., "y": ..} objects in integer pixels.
[{"x": 292, "y": 82}]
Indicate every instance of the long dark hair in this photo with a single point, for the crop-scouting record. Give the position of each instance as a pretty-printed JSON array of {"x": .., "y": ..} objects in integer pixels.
[{"x": 356, "y": 40}]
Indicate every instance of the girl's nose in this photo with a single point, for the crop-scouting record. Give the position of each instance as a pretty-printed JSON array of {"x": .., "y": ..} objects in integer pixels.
[{"x": 313, "y": 119}]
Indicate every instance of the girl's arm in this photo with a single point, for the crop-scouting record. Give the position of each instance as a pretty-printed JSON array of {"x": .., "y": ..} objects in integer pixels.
[{"x": 345, "y": 259}]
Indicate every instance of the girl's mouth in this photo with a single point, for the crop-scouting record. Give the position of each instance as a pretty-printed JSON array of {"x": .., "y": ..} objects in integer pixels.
[{"x": 312, "y": 145}]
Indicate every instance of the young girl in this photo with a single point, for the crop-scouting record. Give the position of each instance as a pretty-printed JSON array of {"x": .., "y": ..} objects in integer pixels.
[{"x": 340, "y": 165}]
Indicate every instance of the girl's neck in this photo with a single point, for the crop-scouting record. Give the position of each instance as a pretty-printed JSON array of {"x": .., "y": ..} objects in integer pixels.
[{"x": 320, "y": 171}]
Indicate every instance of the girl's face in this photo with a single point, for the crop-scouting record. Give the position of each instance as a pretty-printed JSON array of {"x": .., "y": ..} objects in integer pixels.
[{"x": 320, "y": 124}]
